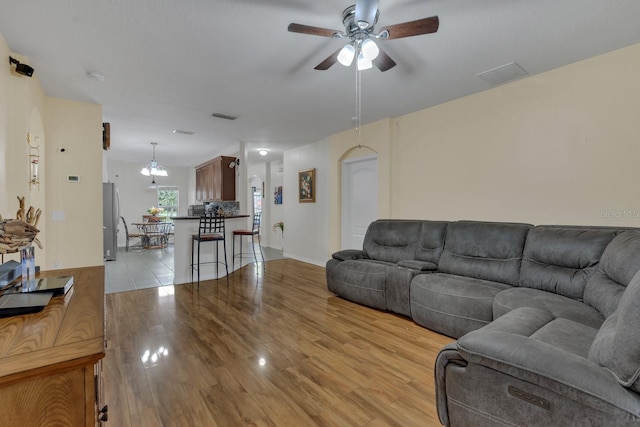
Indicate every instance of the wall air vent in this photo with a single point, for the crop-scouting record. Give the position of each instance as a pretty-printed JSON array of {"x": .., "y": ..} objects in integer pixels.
[
  {"x": 224, "y": 116},
  {"x": 502, "y": 74}
]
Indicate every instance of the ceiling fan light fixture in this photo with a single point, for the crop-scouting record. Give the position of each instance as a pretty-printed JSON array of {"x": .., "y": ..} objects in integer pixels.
[
  {"x": 370, "y": 49},
  {"x": 363, "y": 63},
  {"x": 346, "y": 55}
]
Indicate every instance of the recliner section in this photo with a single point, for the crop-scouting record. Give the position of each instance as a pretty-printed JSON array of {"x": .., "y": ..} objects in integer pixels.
[
  {"x": 479, "y": 260},
  {"x": 394, "y": 252}
]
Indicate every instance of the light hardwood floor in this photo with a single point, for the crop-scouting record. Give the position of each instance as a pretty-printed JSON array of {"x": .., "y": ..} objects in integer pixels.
[{"x": 275, "y": 348}]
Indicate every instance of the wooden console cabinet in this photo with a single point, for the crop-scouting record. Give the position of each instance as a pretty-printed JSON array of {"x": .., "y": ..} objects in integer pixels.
[
  {"x": 50, "y": 362},
  {"x": 215, "y": 180}
]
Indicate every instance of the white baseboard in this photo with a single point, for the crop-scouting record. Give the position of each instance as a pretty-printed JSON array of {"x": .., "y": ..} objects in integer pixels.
[{"x": 307, "y": 260}]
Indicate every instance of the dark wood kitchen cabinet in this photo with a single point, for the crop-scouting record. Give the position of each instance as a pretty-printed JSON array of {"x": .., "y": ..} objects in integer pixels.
[{"x": 215, "y": 180}]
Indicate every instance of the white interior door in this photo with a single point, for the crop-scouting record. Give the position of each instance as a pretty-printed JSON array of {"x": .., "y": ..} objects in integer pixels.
[{"x": 359, "y": 199}]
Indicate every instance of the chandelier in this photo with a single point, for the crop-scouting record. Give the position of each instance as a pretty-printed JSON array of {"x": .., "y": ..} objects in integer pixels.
[{"x": 153, "y": 168}]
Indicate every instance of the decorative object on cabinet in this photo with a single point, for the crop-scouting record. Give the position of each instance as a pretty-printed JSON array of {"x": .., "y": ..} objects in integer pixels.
[
  {"x": 21, "y": 231},
  {"x": 307, "y": 186}
]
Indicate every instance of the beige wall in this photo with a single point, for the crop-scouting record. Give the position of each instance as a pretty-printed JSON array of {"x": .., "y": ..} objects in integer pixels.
[
  {"x": 76, "y": 127},
  {"x": 53, "y": 123},
  {"x": 561, "y": 147},
  {"x": 21, "y": 112},
  {"x": 305, "y": 224}
]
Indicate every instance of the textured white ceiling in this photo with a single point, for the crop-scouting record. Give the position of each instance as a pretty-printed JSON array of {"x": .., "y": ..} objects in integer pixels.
[{"x": 170, "y": 64}]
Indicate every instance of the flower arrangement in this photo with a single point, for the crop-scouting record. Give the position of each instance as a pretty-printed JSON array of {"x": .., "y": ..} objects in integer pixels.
[
  {"x": 155, "y": 211},
  {"x": 278, "y": 225}
]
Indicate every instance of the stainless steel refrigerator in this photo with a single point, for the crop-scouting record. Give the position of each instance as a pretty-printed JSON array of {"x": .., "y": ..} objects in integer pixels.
[{"x": 110, "y": 219}]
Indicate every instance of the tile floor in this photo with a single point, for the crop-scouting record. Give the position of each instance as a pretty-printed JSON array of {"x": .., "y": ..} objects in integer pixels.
[{"x": 141, "y": 269}]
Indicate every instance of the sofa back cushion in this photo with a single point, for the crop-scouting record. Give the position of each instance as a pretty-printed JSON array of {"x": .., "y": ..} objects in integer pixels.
[
  {"x": 431, "y": 241},
  {"x": 618, "y": 265},
  {"x": 561, "y": 259},
  {"x": 484, "y": 250},
  {"x": 617, "y": 344},
  {"x": 392, "y": 240}
]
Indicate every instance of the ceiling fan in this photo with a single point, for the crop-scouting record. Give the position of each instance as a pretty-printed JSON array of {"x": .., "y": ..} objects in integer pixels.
[{"x": 359, "y": 21}]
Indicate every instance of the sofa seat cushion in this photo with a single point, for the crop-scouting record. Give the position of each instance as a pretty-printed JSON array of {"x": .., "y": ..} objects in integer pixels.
[
  {"x": 452, "y": 305},
  {"x": 558, "y": 305},
  {"x": 565, "y": 334},
  {"x": 361, "y": 281}
]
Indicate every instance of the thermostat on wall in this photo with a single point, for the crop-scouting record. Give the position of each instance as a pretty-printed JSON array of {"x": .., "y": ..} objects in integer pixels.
[{"x": 73, "y": 178}]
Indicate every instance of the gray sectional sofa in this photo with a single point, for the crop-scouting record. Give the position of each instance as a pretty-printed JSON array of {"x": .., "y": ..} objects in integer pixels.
[{"x": 547, "y": 318}]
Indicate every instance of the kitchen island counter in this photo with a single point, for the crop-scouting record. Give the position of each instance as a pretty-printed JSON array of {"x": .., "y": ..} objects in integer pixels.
[{"x": 181, "y": 218}]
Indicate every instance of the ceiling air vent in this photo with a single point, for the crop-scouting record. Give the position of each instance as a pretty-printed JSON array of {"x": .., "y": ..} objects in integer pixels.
[
  {"x": 224, "y": 116},
  {"x": 502, "y": 74}
]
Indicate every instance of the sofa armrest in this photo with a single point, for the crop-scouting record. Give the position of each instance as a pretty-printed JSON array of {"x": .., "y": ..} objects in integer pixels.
[
  {"x": 421, "y": 266},
  {"x": 349, "y": 254},
  {"x": 505, "y": 346},
  {"x": 448, "y": 355}
]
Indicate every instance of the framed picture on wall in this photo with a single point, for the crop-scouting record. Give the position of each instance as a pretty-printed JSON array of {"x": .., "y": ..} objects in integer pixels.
[
  {"x": 307, "y": 186},
  {"x": 277, "y": 195}
]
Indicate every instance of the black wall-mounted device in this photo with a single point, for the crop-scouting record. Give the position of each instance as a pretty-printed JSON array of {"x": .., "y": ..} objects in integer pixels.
[{"x": 23, "y": 69}]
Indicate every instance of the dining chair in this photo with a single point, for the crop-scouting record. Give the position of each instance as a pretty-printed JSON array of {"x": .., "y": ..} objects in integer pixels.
[
  {"x": 255, "y": 231},
  {"x": 130, "y": 236},
  {"x": 210, "y": 229},
  {"x": 156, "y": 232}
]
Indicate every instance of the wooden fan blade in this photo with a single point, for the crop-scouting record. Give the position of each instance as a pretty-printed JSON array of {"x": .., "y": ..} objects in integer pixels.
[
  {"x": 327, "y": 63},
  {"x": 314, "y": 31},
  {"x": 413, "y": 28},
  {"x": 384, "y": 61}
]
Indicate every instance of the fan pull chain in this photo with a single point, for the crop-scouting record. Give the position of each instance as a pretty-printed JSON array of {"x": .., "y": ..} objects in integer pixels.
[{"x": 359, "y": 105}]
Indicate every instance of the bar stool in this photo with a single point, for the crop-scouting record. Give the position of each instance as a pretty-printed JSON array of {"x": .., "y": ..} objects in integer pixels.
[
  {"x": 210, "y": 229},
  {"x": 255, "y": 231}
]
